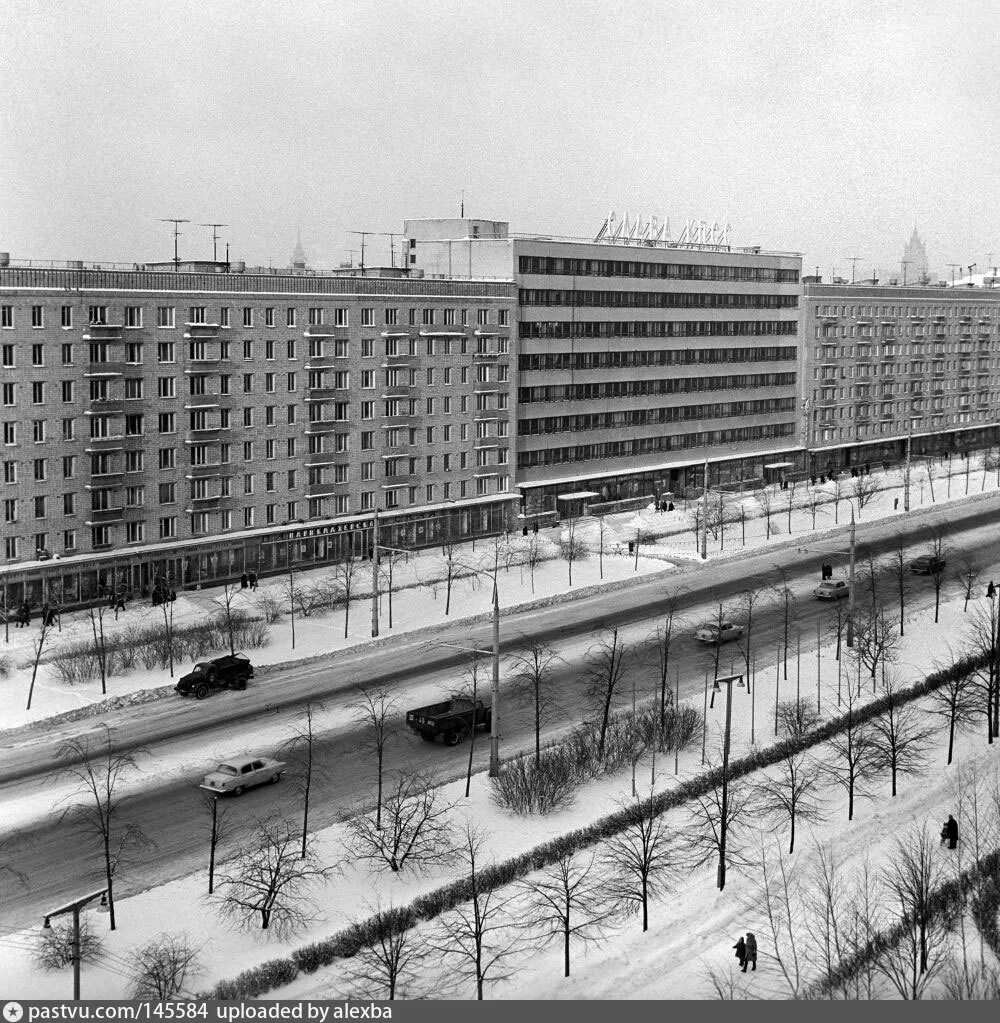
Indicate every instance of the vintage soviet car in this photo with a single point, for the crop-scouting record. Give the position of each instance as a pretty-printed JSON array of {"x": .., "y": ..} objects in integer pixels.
[
  {"x": 242, "y": 773},
  {"x": 715, "y": 632}
]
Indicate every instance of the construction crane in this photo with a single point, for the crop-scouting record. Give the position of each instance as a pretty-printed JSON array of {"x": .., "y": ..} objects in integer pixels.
[
  {"x": 853, "y": 260},
  {"x": 215, "y": 239},
  {"x": 176, "y": 221}
]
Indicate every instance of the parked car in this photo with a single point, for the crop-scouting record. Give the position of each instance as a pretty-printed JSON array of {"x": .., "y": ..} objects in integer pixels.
[
  {"x": 927, "y": 564},
  {"x": 832, "y": 589},
  {"x": 451, "y": 721},
  {"x": 229, "y": 672},
  {"x": 236, "y": 776},
  {"x": 714, "y": 632}
]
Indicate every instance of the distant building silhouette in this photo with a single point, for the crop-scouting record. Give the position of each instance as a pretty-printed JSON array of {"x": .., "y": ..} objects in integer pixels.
[
  {"x": 299, "y": 255},
  {"x": 915, "y": 255}
]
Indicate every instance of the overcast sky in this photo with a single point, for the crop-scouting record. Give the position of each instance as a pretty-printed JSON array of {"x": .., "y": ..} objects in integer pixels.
[{"x": 827, "y": 128}]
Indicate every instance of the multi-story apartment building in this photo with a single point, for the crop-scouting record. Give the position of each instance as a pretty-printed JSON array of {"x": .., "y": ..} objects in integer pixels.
[
  {"x": 884, "y": 363},
  {"x": 216, "y": 420},
  {"x": 638, "y": 362}
]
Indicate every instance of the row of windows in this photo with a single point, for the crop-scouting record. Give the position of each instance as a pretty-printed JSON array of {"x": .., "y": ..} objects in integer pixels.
[
  {"x": 652, "y": 417},
  {"x": 166, "y": 316},
  {"x": 659, "y": 357},
  {"x": 638, "y": 388},
  {"x": 651, "y": 445},
  {"x": 649, "y": 328},
  {"x": 655, "y": 299},
  {"x": 917, "y": 311},
  {"x": 657, "y": 271}
]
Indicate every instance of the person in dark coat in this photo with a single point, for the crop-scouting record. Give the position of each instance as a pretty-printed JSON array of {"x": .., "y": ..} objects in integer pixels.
[
  {"x": 751, "y": 951},
  {"x": 243, "y": 581},
  {"x": 741, "y": 952},
  {"x": 25, "y": 614},
  {"x": 253, "y": 580},
  {"x": 950, "y": 832}
]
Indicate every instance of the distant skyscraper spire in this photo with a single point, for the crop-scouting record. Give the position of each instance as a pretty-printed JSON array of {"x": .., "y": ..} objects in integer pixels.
[
  {"x": 915, "y": 255},
  {"x": 299, "y": 256}
]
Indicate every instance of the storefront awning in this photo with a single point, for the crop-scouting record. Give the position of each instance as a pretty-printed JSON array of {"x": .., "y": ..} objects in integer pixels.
[
  {"x": 581, "y": 495},
  {"x": 780, "y": 465}
]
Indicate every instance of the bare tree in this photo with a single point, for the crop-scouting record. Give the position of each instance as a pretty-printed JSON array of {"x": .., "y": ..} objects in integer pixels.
[
  {"x": 480, "y": 936},
  {"x": 662, "y": 641},
  {"x": 785, "y": 598},
  {"x": 533, "y": 672},
  {"x": 983, "y": 644},
  {"x": 640, "y": 863},
  {"x": 865, "y": 487},
  {"x": 839, "y": 624},
  {"x": 939, "y": 550},
  {"x": 230, "y": 615},
  {"x": 600, "y": 544},
  {"x": 570, "y": 900},
  {"x": 38, "y": 645},
  {"x": 837, "y": 496},
  {"x": 853, "y": 763},
  {"x": 749, "y": 598},
  {"x": 790, "y": 505},
  {"x": 450, "y": 553},
  {"x": 468, "y": 691},
  {"x": 217, "y": 831},
  {"x": 96, "y": 616},
  {"x": 532, "y": 557},
  {"x": 815, "y": 501},
  {"x": 301, "y": 746},
  {"x": 59, "y": 946},
  {"x": 968, "y": 578},
  {"x": 792, "y": 796},
  {"x": 605, "y": 671},
  {"x": 870, "y": 575},
  {"x": 414, "y": 830},
  {"x": 270, "y": 882},
  {"x": 160, "y": 969},
  {"x": 99, "y": 771},
  {"x": 572, "y": 548},
  {"x": 955, "y": 701},
  {"x": 901, "y": 577},
  {"x": 291, "y": 591},
  {"x": 167, "y": 607},
  {"x": 876, "y": 642},
  {"x": 913, "y": 877},
  {"x": 703, "y": 835},
  {"x": 375, "y": 709},
  {"x": 899, "y": 738},
  {"x": 343, "y": 573},
  {"x": 765, "y": 499},
  {"x": 796, "y": 717},
  {"x": 389, "y": 958}
]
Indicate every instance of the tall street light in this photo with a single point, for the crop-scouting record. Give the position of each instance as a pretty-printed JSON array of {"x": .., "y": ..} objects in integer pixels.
[
  {"x": 74, "y": 908},
  {"x": 727, "y": 681}
]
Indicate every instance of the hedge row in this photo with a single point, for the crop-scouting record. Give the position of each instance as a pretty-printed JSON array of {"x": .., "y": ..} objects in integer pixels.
[{"x": 349, "y": 942}]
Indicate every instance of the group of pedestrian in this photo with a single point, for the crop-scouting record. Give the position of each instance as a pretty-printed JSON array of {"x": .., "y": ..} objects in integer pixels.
[
  {"x": 20, "y": 614},
  {"x": 248, "y": 581},
  {"x": 665, "y": 506},
  {"x": 49, "y": 615},
  {"x": 746, "y": 951}
]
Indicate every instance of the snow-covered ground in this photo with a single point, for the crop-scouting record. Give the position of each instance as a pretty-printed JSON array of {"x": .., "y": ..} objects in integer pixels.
[
  {"x": 667, "y": 541},
  {"x": 690, "y": 930}
]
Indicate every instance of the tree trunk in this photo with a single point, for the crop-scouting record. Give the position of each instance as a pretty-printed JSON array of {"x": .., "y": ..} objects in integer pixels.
[
  {"x": 378, "y": 810},
  {"x": 791, "y": 843},
  {"x": 566, "y": 950},
  {"x": 951, "y": 734},
  {"x": 538, "y": 724},
  {"x": 850, "y": 800},
  {"x": 645, "y": 903}
]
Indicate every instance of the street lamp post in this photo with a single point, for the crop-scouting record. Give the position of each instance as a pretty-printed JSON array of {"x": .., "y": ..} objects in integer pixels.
[
  {"x": 728, "y": 681},
  {"x": 74, "y": 908}
]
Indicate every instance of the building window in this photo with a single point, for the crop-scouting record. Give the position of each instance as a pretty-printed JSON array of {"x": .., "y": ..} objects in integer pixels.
[
  {"x": 164, "y": 316},
  {"x": 135, "y": 532},
  {"x": 165, "y": 351},
  {"x": 428, "y": 317},
  {"x": 37, "y": 316},
  {"x": 290, "y": 348},
  {"x": 503, "y": 317},
  {"x": 391, "y": 317},
  {"x": 269, "y": 316},
  {"x": 166, "y": 387},
  {"x": 367, "y": 317},
  {"x": 224, "y": 316},
  {"x": 38, "y": 355},
  {"x": 247, "y": 316},
  {"x": 168, "y": 458},
  {"x": 269, "y": 349},
  {"x": 289, "y": 317},
  {"x": 168, "y": 527},
  {"x": 341, "y": 317},
  {"x": 292, "y": 382},
  {"x": 10, "y": 472}
]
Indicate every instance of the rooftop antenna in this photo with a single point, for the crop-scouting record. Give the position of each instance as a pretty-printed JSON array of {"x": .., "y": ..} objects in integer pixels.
[
  {"x": 392, "y": 244},
  {"x": 351, "y": 253},
  {"x": 364, "y": 235},
  {"x": 972, "y": 266},
  {"x": 904, "y": 263},
  {"x": 176, "y": 221},
  {"x": 462, "y": 208},
  {"x": 954, "y": 267},
  {"x": 215, "y": 239},
  {"x": 854, "y": 260}
]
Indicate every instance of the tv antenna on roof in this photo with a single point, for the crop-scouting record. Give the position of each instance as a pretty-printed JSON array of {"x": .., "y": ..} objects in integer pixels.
[
  {"x": 392, "y": 245},
  {"x": 954, "y": 267},
  {"x": 364, "y": 235},
  {"x": 176, "y": 221},
  {"x": 215, "y": 239},
  {"x": 853, "y": 260}
]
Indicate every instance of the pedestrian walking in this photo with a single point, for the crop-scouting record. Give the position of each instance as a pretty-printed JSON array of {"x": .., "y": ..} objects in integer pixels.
[
  {"x": 120, "y": 601},
  {"x": 751, "y": 945},
  {"x": 253, "y": 580},
  {"x": 741, "y": 952},
  {"x": 949, "y": 833},
  {"x": 243, "y": 581},
  {"x": 25, "y": 614},
  {"x": 895, "y": 503},
  {"x": 991, "y": 590}
]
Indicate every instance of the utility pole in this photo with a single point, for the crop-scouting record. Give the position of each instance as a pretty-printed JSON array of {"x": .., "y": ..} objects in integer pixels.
[
  {"x": 906, "y": 470},
  {"x": 904, "y": 263},
  {"x": 728, "y": 681},
  {"x": 74, "y": 908},
  {"x": 495, "y": 690},
  {"x": 850, "y": 587},
  {"x": 954, "y": 267},
  {"x": 176, "y": 221},
  {"x": 215, "y": 239},
  {"x": 375, "y": 576},
  {"x": 392, "y": 245},
  {"x": 364, "y": 235},
  {"x": 854, "y": 260},
  {"x": 704, "y": 518}
]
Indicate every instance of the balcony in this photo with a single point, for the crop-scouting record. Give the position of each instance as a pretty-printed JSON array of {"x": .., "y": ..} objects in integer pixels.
[
  {"x": 201, "y": 472},
  {"x": 113, "y": 442},
  {"x": 198, "y": 330},
  {"x": 396, "y": 358},
  {"x": 396, "y": 451},
  {"x": 323, "y": 330},
  {"x": 106, "y": 407},
  {"x": 105, "y": 369},
  {"x": 401, "y": 480},
  {"x": 397, "y": 391},
  {"x": 402, "y": 419},
  {"x": 324, "y": 489},
  {"x": 103, "y": 332},
  {"x": 207, "y": 501},
  {"x": 321, "y": 426},
  {"x": 325, "y": 393},
  {"x": 491, "y": 356},
  {"x": 105, "y": 481},
  {"x": 103, "y": 516},
  {"x": 487, "y": 387},
  {"x": 205, "y": 435},
  {"x": 204, "y": 360}
]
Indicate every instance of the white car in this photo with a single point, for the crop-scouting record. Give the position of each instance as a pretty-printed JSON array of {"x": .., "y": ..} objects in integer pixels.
[
  {"x": 236, "y": 776},
  {"x": 832, "y": 589},
  {"x": 714, "y": 632}
]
